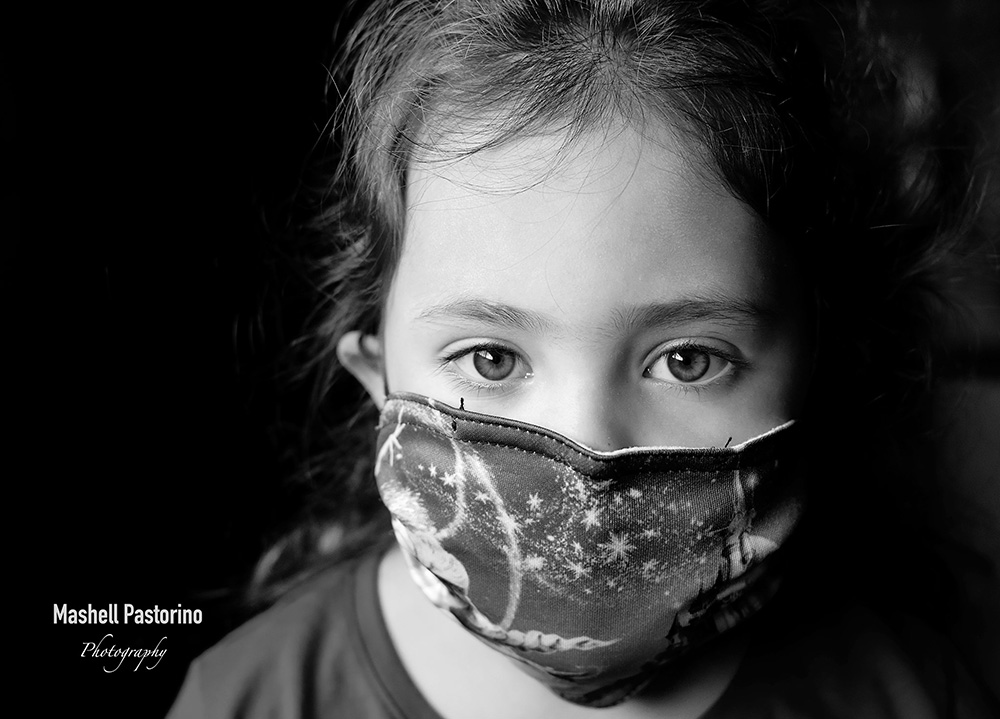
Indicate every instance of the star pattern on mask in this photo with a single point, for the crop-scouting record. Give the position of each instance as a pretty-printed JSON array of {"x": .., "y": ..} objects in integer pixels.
[
  {"x": 617, "y": 548},
  {"x": 547, "y": 529}
]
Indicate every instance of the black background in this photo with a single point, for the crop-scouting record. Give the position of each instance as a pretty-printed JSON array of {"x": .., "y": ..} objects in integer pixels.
[{"x": 146, "y": 154}]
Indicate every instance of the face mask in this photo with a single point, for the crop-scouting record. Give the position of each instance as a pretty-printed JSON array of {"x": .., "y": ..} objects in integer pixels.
[{"x": 592, "y": 569}]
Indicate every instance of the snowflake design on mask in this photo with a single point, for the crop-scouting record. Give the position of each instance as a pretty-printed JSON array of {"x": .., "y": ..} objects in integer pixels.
[
  {"x": 524, "y": 543},
  {"x": 617, "y": 548}
]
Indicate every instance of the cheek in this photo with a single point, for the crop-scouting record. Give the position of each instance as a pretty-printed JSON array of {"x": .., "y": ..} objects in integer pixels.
[
  {"x": 409, "y": 355},
  {"x": 400, "y": 360},
  {"x": 767, "y": 394},
  {"x": 393, "y": 340},
  {"x": 778, "y": 389}
]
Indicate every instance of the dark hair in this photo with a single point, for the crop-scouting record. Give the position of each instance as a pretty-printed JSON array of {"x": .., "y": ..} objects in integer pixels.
[{"x": 795, "y": 113}]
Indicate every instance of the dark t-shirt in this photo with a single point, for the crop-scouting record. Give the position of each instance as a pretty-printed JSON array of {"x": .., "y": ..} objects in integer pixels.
[{"x": 324, "y": 653}]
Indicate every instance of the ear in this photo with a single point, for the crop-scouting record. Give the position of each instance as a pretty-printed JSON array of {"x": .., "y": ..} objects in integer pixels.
[{"x": 361, "y": 355}]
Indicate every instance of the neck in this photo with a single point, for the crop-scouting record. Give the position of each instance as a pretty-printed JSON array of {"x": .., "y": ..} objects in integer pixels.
[{"x": 448, "y": 664}]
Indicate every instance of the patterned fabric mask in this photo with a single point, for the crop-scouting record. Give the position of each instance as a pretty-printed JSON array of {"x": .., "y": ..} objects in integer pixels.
[{"x": 593, "y": 569}]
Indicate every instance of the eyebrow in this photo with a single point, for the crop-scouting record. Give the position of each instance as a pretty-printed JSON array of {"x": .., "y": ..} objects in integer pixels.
[
  {"x": 496, "y": 314},
  {"x": 717, "y": 308}
]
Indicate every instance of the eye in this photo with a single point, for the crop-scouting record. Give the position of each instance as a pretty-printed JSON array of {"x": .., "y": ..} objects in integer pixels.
[
  {"x": 491, "y": 363},
  {"x": 689, "y": 364}
]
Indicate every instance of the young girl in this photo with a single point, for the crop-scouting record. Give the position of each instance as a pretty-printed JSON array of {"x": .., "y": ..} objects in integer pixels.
[{"x": 632, "y": 289}]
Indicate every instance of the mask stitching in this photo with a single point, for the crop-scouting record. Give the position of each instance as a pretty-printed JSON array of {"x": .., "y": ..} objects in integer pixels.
[
  {"x": 734, "y": 462},
  {"x": 708, "y": 452}
]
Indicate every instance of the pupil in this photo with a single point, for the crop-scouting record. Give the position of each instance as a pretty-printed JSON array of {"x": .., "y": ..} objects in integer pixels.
[
  {"x": 688, "y": 365},
  {"x": 493, "y": 365}
]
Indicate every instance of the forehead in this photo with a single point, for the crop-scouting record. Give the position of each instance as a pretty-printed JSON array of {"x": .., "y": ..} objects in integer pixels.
[{"x": 578, "y": 231}]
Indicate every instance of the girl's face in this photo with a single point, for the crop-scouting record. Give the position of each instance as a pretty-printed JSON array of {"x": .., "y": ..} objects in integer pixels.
[{"x": 612, "y": 292}]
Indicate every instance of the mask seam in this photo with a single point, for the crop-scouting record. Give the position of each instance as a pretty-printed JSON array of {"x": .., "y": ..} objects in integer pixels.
[
  {"x": 708, "y": 451},
  {"x": 734, "y": 459}
]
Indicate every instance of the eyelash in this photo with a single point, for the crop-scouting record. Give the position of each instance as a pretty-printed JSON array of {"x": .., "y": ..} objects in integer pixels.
[
  {"x": 464, "y": 381},
  {"x": 737, "y": 364}
]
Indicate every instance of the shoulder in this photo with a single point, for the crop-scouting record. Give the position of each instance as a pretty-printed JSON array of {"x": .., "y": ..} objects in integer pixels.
[
  {"x": 304, "y": 657},
  {"x": 855, "y": 663}
]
